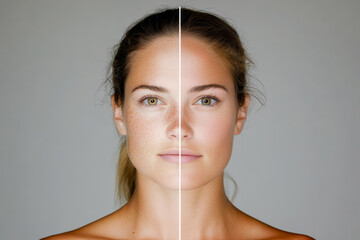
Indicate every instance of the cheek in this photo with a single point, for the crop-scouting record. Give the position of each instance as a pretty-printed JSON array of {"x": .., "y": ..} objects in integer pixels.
[
  {"x": 143, "y": 131},
  {"x": 216, "y": 127},
  {"x": 216, "y": 134}
]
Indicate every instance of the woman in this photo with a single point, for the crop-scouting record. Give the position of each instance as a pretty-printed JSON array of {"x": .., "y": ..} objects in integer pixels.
[{"x": 215, "y": 97}]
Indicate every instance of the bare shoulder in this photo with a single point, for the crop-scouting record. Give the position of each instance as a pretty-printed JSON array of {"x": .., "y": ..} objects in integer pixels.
[
  {"x": 251, "y": 228},
  {"x": 67, "y": 236},
  {"x": 291, "y": 236},
  {"x": 78, "y": 234},
  {"x": 75, "y": 235},
  {"x": 101, "y": 229},
  {"x": 294, "y": 236}
]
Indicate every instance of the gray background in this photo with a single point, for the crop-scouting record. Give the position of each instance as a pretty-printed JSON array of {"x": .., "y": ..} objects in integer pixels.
[{"x": 296, "y": 162}]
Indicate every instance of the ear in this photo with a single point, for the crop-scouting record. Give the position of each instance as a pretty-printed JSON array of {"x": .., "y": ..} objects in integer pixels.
[
  {"x": 118, "y": 117},
  {"x": 241, "y": 115}
]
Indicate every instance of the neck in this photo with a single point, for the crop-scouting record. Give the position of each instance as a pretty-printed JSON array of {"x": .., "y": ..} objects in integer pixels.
[{"x": 205, "y": 211}]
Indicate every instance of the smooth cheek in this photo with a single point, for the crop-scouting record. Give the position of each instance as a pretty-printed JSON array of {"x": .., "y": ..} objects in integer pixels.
[
  {"x": 217, "y": 136},
  {"x": 213, "y": 131}
]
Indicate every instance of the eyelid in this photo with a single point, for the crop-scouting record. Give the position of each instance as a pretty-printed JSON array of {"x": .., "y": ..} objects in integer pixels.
[
  {"x": 217, "y": 100},
  {"x": 149, "y": 96}
]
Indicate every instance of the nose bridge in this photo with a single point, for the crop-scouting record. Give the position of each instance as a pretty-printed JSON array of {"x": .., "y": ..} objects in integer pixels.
[
  {"x": 184, "y": 117},
  {"x": 173, "y": 115},
  {"x": 174, "y": 127}
]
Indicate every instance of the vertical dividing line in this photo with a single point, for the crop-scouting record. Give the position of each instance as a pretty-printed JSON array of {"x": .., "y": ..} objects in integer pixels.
[{"x": 180, "y": 136}]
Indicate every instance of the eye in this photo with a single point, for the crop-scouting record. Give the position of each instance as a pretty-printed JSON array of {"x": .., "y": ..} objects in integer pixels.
[
  {"x": 209, "y": 101},
  {"x": 150, "y": 101}
]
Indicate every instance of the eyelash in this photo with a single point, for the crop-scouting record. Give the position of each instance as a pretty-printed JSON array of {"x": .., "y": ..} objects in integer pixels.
[
  {"x": 146, "y": 97},
  {"x": 217, "y": 100},
  {"x": 155, "y": 96}
]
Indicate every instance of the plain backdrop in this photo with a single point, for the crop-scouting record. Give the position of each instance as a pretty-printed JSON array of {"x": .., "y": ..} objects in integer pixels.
[{"x": 296, "y": 162}]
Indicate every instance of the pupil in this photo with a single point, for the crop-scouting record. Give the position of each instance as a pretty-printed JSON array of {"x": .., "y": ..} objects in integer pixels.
[{"x": 205, "y": 100}]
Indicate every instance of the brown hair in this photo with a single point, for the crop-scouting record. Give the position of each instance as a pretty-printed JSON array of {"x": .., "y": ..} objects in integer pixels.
[{"x": 209, "y": 27}]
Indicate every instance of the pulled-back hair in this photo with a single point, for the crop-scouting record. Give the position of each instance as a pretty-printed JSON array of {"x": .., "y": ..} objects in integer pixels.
[{"x": 165, "y": 22}]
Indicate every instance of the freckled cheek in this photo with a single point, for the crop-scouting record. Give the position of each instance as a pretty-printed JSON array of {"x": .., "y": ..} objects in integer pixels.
[{"x": 143, "y": 131}]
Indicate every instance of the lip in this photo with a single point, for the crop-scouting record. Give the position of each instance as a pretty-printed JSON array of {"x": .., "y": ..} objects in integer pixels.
[
  {"x": 184, "y": 151},
  {"x": 172, "y": 155}
]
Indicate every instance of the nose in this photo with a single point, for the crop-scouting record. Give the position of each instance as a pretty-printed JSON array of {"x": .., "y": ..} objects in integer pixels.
[{"x": 173, "y": 129}]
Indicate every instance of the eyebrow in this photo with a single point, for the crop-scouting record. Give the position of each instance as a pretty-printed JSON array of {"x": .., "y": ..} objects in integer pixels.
[{"x": 192, "y": 90}]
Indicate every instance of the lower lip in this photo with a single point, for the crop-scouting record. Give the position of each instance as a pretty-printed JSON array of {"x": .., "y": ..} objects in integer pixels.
[{"x": 175, "y": 158}]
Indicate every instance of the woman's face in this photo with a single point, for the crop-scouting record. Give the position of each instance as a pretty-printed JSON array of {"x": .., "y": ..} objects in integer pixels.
[{"x": 149, "y": 118}]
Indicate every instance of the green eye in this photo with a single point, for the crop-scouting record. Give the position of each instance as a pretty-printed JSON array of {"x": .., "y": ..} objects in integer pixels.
[
  {"x": 152, "y": 101},
  {"x": 206, "y": 100},
  {"x": 209, "y": 101}
]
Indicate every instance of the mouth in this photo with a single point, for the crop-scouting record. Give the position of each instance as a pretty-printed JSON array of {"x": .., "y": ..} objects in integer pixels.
[
  {"x": 172, "y": 155},
  {"x": 176, "y": 159}
]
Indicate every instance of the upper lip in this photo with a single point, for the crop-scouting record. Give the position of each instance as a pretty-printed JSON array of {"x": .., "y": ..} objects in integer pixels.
[{"x": 184, "y": 151}]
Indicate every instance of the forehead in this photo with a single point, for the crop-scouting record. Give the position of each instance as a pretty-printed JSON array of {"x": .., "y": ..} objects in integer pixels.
[{"x": 158, "y": 63}]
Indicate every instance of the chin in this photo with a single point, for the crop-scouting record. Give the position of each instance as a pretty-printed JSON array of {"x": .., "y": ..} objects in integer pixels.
[
  {"x": 194, "y": 181},
  {"x": 192, "y": 177},
  {"x": 187, "y": 182}
]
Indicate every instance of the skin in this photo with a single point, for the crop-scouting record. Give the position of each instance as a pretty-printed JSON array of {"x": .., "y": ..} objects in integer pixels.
[{"x": 152, "y": 212}]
